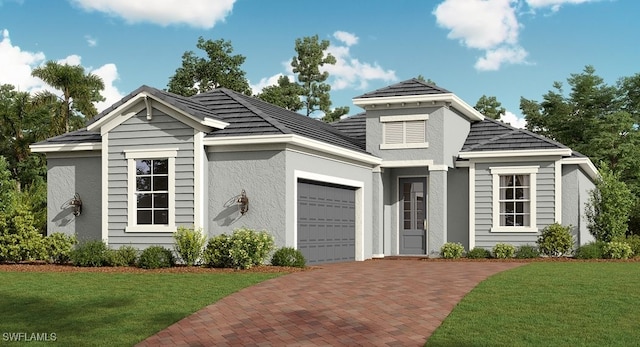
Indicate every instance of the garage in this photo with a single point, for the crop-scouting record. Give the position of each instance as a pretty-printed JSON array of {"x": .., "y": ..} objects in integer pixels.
[{"x": 326, "y": 222}]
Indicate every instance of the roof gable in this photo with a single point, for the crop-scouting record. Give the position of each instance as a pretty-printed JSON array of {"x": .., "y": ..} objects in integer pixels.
[{"x": 493, "y": 135}]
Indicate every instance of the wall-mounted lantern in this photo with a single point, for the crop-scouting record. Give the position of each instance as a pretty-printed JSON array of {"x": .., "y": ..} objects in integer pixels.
[
  {"x": 75, "y": 203},
  {"x": 243, "y": 202}
]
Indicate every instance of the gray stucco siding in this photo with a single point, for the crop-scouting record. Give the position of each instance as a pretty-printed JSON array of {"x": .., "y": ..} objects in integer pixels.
[
  {"x": 545, "y": 204},
  {"x": 576, "y": 186},
  {"x": 456, "y": 130},
  {"x": 138, "y": 133},
  {"x": 65, "y": 177},
  {"x": 458, "y": 206}
]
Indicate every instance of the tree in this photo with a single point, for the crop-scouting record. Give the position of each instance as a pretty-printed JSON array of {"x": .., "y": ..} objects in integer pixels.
[
  {"x": 426, "y": 80},
  {"x": 311, "y": 57},
  {"x": 285, "y": 94},
  {"x": 220, "y": 69},
  {"x": 609, "y": 206},
  {"x": 490, "y": 107},
  {"x": 79, "y": 90}
]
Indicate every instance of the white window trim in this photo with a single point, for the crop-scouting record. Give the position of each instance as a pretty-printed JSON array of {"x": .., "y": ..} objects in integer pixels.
[
  {"x": 131, "y": 156},
  {"x": 403, "y": 119},
  {"x": 514, "y": 170}
]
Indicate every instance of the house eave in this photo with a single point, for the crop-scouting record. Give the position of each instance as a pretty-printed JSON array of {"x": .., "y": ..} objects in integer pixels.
[
  {"x": 585, "y": 164},
  {"x": 66, "y": 147},
  {"x": 516, "y": 153},
  {"x": 292, "y": 139},
  {"x": 421, "y": 100}
]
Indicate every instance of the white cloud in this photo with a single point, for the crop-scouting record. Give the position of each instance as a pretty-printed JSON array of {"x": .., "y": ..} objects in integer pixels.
[
  {"x": 16, "y": 64},
  {"x": 494, "y": 58},
  {"x": 267, "y": 81},
  {"x": 72, "y": 60},
  {"x": 109, "y": 74},
  {"x": 91, "y": 41},
  {"x": 196, "y": 13},
  {"x": 347, "y": 38},
  {"x": 554, "y": 4},
  {"x": 513, "y": 120}
]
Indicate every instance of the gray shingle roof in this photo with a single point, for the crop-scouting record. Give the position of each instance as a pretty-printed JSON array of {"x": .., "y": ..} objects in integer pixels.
[
  {"x": 187, "y": 105},
  {"x": 493, "y": 135},
  {"x": 405, "y": 88},
  {"x": 78, "y": 136},
  {"x": 250, "y": 116},
  {"x": 355, "y": 127}
]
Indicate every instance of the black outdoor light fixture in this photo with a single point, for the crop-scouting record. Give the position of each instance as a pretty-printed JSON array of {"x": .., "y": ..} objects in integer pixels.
[
  {"x": 75, "y": 203},
  {"x": 243, "y": 202}
]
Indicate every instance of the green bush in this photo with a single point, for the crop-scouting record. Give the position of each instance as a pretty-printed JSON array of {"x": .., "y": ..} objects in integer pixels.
[
  {"x": 609, "y": 206},
  {"x": 90, "y": 254},
  {"x": 634, "y": 242},
  {"x": 617, "y": 250},
  {"x": 555, "y": 240},
  {"x": 243, "y": 249},
  {"x": 123, "y": 256},
  {"x": 452, "y": 250},
  {"x": 527, "y": 252},
  {"x": 58, "y": 247},
  {"x": 503, "y": 251},
  {"x": 591, "y": 250},
  {"x": 288, "y": 256},
  {"x": 189, "y": 244},
  {"x": 19, "y": 237},
  {"x": 478, "y": 253},
  {"x": 155, "y": 257}
]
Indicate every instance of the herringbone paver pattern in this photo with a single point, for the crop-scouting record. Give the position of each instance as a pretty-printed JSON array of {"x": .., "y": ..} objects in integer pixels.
[{"x": 371, "y": 303}]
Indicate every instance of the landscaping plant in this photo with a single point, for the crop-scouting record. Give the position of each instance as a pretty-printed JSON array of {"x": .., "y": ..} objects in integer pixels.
[
  {"x": 591, "y": 250},
  {"x": 452, "y": 250},
  {"x": 189, "y": 244},
  {"x": 123, "y": 256},
  {"x": 478, "y": 253},
  {"x": 58, "y": 247},
  {"x": 155, "y": 257},
  {"x": 527, "y": 252},
  {"x": 243, "y": 249},
  {"x": 617, "y": 250},
  {"x": 90, "y": 254},
  {"x": 555, "y": 240},
  {"x": 503, "y": 251},
  {"x": 288, "y": 256}
]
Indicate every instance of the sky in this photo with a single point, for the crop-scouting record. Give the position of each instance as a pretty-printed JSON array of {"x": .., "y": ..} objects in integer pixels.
[{"x": 503, "y": 48}]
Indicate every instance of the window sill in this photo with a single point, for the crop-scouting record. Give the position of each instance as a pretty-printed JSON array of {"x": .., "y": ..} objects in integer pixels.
[
  {"x": 404, "y": 145},
  {"x": 514, "y": 230},
  {"x": 150, "y": 229}
]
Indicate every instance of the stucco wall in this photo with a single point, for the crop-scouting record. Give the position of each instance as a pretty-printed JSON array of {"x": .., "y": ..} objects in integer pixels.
[
  {"x": 575, "y": 194},
  {"x": 65, "y": 177},
  {"x": 458, "y": 206}
]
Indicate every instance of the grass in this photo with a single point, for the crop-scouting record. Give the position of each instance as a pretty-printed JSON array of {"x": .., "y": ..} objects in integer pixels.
[
  {"x": 105, "y": 308},
  {"x": 549, "y": 304}
]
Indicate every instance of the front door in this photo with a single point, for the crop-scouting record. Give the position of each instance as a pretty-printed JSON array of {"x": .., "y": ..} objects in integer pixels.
[{"x": 413, "y": 237}]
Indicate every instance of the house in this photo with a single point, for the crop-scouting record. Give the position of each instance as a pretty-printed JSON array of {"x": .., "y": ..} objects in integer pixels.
[{"x": 418, "y": 168}]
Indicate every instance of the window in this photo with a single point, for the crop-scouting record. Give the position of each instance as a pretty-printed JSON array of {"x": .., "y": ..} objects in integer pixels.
[
  {"x": 514, "y": 202},
  {"x": 408, "y": 131},
  {"x": 151, "y": 190}
]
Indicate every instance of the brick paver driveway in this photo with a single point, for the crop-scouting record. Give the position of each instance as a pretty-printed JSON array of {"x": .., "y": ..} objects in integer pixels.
[{"x": 377, "y": 302}]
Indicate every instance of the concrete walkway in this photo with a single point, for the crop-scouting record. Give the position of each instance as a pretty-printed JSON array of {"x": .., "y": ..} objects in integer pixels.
[{"x": 371, "y": 303}]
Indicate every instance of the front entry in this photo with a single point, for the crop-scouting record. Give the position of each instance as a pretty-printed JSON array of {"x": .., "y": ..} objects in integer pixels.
[{"x": 413, "y": 207}]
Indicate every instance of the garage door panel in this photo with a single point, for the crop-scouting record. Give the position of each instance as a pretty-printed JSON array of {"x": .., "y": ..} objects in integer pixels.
[{"x": 326, "y": 222}]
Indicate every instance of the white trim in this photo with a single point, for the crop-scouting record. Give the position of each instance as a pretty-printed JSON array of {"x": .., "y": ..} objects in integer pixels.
[
  {"x": 198, "y": 180},
  {"x": 404, "y": 145},
  {"x": 71, "y": 155},
  {"x": 66, "y": 147},
  {"x": 472, "y": 205},
  {"x": 360, "y": 210},
  {"x": 294, "y": 140},
  {"x": 438, "y": 167},
  {"x": 131, "y": 156},
  {"x": 418, "y": 100},
  {"x": 585, "y": 164},
  {"x": 406, "y": 163},
  {"x": 377, "y": 256},
  {"x": 495, "y": 198},
  {"x": 461, "y": 163},
  {"x": 404, "y": 118},
  {"x": 105, "y": 188},
  {"x": 558, "y": 190},
  {"x": 518, "y": 153}
]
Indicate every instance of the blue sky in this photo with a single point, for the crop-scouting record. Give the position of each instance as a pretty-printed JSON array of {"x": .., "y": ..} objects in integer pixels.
[{"x": 502, "y": 48}]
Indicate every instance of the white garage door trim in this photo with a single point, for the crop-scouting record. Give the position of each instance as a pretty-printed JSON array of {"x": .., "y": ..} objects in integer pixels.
[{"x": 297, "y": 175}]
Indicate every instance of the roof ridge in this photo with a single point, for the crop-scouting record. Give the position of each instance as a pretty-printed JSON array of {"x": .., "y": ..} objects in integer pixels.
[
  {"x": 513, "y": 130},
  {"x": 275, "y": 123},
  {"x": 425, "y": 83}
]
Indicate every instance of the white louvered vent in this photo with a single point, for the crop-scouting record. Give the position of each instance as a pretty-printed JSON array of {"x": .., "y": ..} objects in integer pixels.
[
  {"x": 394, "y": 133},
  {"x": 415, "y": 131}
]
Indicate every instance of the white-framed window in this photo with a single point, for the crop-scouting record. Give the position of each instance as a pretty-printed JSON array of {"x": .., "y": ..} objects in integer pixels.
[
  {"x": 409, "y": 131},
  {"x": 514, "y": 198},
  {"x": 151, "y": 190}
]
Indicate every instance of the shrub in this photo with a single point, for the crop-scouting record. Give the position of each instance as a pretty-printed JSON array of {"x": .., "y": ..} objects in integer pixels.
[
  {"x": 452, "y": 250},
  {"x": 288, "y": 256},
  {"x": 555, "y": 240},
  {"x": 155, "y": 257},
  {"x": 58, "y": 247},
  {"x": 90, "y": 253},
  {"x": 617, "y": 250},
  {"x": 189, "y": 244},
  {"x": 123, "y": 256},
  {"x": 243, "y": 249},
  {"x": 591, "y": 250},
  {"x": 19, "y": 236},
  {"x": 478, "y": 253},
  {"x": 527, "y": 252},
  {"x": 634, "y": 242},
  {"x": 503, "y": 251}
]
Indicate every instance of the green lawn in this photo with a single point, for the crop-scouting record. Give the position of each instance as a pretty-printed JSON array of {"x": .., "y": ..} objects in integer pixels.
[
  {"x": 111, "y": 309},
  {"x": 549, "y": 304}
]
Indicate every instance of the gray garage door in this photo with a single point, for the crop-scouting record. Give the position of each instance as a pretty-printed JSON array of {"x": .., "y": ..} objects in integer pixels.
[{"x": 326, "y": 222}]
